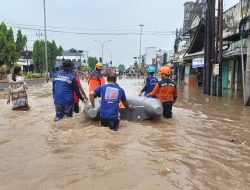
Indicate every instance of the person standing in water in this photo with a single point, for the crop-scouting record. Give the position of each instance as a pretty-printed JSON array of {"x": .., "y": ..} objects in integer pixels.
[
  {"x": 17, "y": 90},
  {"x": 111, "y": 94},
  {"x": 64, "y": 85},
  {"x": 150, "y": 83},
  {"x": 96, "y": 78},
  {"x": 166, "y": 91}
]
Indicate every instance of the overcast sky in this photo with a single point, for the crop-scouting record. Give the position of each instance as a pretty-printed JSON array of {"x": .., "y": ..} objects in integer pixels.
[{"x": 100, "y": 16}]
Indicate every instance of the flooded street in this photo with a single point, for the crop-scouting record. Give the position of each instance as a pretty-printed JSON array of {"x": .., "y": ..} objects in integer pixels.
[{"x": 205, "y": 146}]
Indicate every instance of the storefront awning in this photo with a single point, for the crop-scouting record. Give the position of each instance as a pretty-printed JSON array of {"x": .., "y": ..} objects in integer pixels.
[
  {"x": 234, "y": 53},
  {"x": 192, "y": 56}
]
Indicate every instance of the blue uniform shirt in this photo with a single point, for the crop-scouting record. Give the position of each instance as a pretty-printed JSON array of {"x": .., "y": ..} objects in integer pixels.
[
  {"x": 111, "y": 95},
  {"x": 63, "y": 88},
  {"x": 151, "y": 81}
]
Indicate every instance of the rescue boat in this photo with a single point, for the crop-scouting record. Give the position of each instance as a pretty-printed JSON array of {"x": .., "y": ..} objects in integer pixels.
[{"x": 143, "y": 108}]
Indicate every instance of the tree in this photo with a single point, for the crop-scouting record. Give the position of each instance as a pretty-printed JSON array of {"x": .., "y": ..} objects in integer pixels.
[
  {"x": 20, "y": 42},
  {"x": 54, "y": 54},
  {"x": 92, "y": 62},
  {"x": 12, "y": 55},
  {"x": 121, "y": 67},
  {"x": 38, "y": 55},
  {"x": 10, "y": 50},
  {"x": 59, "y": 51}
]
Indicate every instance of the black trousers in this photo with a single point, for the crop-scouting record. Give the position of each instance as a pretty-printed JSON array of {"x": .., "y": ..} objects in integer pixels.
[
  {"x": 76, "y": 107},
  {"x": 167, "y": 109},
  {"x": 113, "y": 124}
]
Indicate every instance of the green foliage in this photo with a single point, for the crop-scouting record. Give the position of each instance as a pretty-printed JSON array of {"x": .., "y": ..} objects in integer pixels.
[
  {"x": 38, "y": 55},
  {"x": 60, "y": 51},
  {"x": 20, "y": 41},
  {"x": 10, "y": 50},
  {"x": 86, "y": 68},
  {"x": 121, "y": 67},
  {"x": 52, "y": 54},
  {"x": 92, "y": 62},
  {"x": 3, "y": 69},
  {"x": 34, "y": 75}
]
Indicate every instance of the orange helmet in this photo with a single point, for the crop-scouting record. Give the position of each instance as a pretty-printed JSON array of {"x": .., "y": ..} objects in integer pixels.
[
  {"x": 165, "y": 70},
  {"x": 99, "y": 65}
]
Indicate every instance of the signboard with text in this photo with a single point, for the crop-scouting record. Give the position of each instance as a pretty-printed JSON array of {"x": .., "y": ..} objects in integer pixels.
[{"x": 199, "y": 62}]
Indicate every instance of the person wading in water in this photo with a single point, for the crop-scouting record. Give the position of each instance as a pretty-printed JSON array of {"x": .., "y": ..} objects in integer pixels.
[{"x": 17, "y": 90}]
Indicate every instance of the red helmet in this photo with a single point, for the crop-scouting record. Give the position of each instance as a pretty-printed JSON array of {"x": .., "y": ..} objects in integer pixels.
[{"x": 165, "y": 70}]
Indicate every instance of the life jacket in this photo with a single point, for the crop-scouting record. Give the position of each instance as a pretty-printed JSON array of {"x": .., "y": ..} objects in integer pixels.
[
  {"x": 95, "y": 79},
  {"x": 18, "y": 93},
  {"x": 63, "y": 89},
  {"x": 167, "y": 90},
  {"x": 151, "y": 81}
]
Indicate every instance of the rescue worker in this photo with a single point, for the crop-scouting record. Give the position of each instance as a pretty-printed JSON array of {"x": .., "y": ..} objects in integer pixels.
[
  {"x": 150, "y": 83},
  {"x": 96, "y": 78},
  {"x": 166, "y": 91},
  {"x": 76, "y": 98},
  {"x": 64, "y": 84},
  {"x": 17, "y": 90},
  {"x": 111, "y": 94}
]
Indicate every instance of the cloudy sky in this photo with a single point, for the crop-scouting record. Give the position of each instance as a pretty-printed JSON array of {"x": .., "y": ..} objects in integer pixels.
[{"x": 78, "y": 23}]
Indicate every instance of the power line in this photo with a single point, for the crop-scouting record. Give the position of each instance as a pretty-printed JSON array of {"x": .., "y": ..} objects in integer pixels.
[
  {"x": 107, "y": 32},
  {"x": 95, "y": 33}
]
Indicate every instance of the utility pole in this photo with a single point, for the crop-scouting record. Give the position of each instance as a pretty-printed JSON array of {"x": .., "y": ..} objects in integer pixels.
[
  {"x": 210, "y": 45},
  {"x": 141, "y": 25},
  {"x": 46, "y": 52},
  {"x": 39, "y": 34},
  {"x": 242, "y": 57},
  {"x": 102, "y": 46},
  {"x": 220, "y": 29},
  {"x": 247, "y": 75},
  {"x": 27, "y": 58}
]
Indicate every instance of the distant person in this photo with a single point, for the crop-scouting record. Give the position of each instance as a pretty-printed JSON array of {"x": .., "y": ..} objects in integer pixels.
[
  {"x": 182, "y": 78},
  {"x": 96, "y": 78},
  {"x": 17, "y": 90},
  {"x": 64, "y": 85},
  {"x": 166, "y": 91},
  {"x": 111, "y": 94},
  {"x": 150, "y": 83},
  {"x": 47, "y": 76}
]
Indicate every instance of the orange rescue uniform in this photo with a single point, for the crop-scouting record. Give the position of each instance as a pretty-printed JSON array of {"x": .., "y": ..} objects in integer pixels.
[
  {"x": 95, "y": 79},
  {"x": 165, "y": 90}
]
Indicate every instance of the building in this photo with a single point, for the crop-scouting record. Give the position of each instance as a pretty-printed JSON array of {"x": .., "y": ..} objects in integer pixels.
[
  {"x": 232, "y": 62},
  {"x": 26, "y": 61},
  {"x": 77, "y": 56}
]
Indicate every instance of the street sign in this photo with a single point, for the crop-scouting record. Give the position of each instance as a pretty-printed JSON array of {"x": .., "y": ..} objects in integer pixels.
[{"x": 216, "y": 69}]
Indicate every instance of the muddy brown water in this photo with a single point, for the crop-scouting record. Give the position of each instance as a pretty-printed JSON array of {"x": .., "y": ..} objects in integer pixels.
[{"x": 205, "y": 146}]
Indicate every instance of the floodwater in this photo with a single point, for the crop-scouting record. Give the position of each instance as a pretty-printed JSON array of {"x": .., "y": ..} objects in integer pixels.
[{"x": 205, "y": 146}]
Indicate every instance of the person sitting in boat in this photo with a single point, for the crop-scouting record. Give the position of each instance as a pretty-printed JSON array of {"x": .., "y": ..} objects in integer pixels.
[
  {"x": 17, "y": 90},
  {"x": 150, "y": 83}
]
